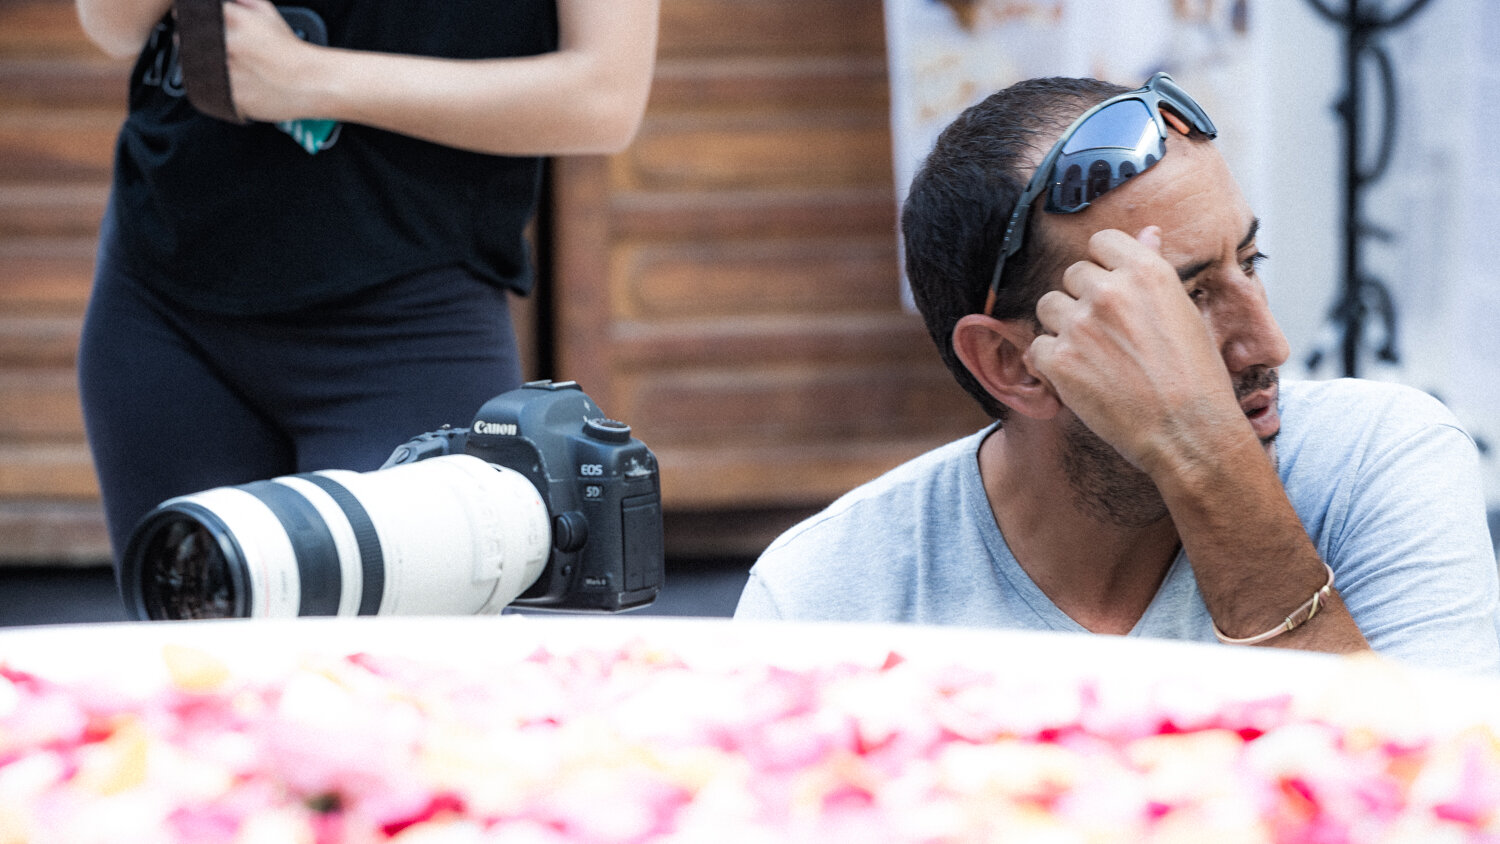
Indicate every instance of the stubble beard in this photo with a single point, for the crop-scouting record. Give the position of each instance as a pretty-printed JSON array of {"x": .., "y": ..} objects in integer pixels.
[{"x": 1109, "y": 489}]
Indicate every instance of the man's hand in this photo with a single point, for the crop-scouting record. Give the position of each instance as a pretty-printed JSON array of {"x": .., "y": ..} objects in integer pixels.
[{"x": 1126, "y": 350}]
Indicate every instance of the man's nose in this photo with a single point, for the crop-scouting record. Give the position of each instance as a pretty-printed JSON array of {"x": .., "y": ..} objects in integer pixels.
[{"x": 1249, "y": 333}]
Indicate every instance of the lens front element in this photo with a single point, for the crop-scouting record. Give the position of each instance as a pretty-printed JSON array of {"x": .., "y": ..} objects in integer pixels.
[{"x": 191, "y": 578}]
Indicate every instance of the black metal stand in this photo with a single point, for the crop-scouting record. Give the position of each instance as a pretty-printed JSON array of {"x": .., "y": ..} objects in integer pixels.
[{"x": 1363, "y": 296}]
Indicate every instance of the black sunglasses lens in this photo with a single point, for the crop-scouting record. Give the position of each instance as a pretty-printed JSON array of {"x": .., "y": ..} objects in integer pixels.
[
  {"x": 1101, "y": 179},
  {"x": 1124, "y": 125},
  {"x": 1115, "y": 144},
  {"x": 1068, "y": 194}
]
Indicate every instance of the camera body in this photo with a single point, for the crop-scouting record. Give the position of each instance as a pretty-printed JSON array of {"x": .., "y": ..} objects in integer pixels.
[{"x": 601, "y": 487}]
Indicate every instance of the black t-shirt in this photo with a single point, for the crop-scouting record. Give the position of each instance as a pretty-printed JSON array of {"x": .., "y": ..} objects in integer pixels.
[{"x": 240, "y": 219}]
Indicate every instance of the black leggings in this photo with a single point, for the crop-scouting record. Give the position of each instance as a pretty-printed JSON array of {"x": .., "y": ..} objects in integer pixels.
[{"x": 177, "y": 401}]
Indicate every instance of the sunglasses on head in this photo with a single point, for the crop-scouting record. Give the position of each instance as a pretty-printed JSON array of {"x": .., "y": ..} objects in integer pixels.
[{"x": 1109, "y": 144}]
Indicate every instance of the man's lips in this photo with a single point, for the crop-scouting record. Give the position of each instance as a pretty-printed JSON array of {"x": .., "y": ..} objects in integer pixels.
[{"x": 1260, "y": 409}]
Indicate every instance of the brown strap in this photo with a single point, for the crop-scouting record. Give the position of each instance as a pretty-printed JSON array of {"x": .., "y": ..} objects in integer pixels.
[{"x": 200, "y": 33}]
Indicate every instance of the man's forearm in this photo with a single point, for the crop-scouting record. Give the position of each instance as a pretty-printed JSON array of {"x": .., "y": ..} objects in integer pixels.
[{"x": 1251, "y": 554}]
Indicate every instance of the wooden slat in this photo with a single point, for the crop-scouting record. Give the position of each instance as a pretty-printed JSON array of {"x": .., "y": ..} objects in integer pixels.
[
  {"x": 753, "y": 212},
  {"x": 51, "y": 210},
  {"x": 47, "y": 82},
  {"x": 720, "y": 28},
  {"x": 727, "y": 84},
  {"x": 796, "y": 405},
  {"x": 47, "y": 471},
  {"x": 45, "y": 532},
  {"x": 46, "y": 275},
  {"x": 723, "y": 342},
  {"x": 828, "y": 149},
  {"x": 62, "y": 145},
  {"x": 38, "y": 342},
  {"x": 39, "y": 406},
  {"x": 706, "y": 279},
  {"x": 795, "y": 475}
]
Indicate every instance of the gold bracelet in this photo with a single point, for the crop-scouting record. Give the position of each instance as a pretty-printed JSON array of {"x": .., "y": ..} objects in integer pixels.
[{"x": 1299, "y": 617}]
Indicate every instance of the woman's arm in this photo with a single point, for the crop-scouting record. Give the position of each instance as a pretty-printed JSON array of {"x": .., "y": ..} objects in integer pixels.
[
  {"x": 120, "y": 27},
  {"x": 587, "y": 97}
]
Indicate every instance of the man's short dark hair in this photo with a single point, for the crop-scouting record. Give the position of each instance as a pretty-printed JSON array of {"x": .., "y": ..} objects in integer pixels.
[{"x": 961, "y": 199}]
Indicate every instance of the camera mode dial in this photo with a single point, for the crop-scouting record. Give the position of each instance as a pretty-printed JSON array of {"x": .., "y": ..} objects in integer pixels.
[{"x": 607, "y": 430}]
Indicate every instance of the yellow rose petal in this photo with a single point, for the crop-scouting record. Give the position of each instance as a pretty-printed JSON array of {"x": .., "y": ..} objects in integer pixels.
[{"x": 193, "y": 670}]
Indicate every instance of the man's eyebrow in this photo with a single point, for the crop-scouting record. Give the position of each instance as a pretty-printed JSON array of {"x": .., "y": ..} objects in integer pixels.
[{"x": 1193, "y": 269}]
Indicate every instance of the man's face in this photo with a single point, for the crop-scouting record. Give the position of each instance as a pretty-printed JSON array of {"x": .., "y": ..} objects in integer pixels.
[{"x": 1208, "y": 235}]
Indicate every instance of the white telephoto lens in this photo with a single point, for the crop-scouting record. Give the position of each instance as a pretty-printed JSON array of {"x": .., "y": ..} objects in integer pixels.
[
  {"x": 457, "y": 535},
  {"x": 451, "y": 535}
]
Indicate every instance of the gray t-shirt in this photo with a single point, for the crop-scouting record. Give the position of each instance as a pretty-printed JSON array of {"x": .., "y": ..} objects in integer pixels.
[{"x": 1384, "y": 479}]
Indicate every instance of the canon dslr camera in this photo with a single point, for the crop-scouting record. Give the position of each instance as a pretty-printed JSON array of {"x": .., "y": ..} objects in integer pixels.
[{"x": 541, "y": 502}]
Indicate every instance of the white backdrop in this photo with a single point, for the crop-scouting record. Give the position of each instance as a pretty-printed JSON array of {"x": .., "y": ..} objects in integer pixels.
[{"x": 1270, "y": 72}]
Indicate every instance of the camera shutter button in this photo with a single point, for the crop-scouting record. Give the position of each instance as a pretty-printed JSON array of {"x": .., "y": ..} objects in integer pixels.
[{"x": 607, "y": 430}]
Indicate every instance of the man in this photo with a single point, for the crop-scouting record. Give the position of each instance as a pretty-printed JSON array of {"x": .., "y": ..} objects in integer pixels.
[{"x": 1147, "y": 473}]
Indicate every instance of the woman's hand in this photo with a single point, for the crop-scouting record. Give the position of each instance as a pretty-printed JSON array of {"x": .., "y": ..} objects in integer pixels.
[{"x": 268, "y": 64}]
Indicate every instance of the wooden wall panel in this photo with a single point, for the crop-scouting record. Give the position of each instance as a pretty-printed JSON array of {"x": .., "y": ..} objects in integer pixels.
[
  {"x": 61, "y": 102},
  {"x": 729, "y": 284}
]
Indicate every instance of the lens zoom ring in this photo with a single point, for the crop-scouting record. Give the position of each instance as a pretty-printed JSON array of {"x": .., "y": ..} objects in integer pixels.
[
  {"x": 371, "y": 560},
  {"x": 317, "y": 557}
]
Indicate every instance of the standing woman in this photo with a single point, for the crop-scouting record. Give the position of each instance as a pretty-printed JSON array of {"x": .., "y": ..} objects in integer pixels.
[{"x": 270, "y": 300}]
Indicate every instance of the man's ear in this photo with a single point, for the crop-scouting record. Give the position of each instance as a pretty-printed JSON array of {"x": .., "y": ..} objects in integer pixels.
[{"x": 993, "y": 350}]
